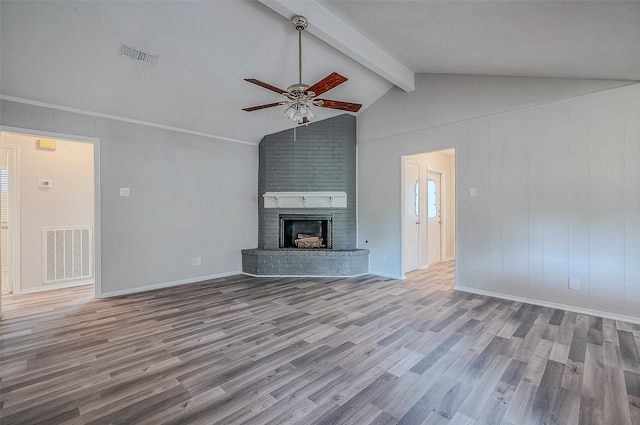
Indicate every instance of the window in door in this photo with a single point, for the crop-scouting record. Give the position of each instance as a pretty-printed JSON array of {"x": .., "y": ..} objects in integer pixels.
[{"x": 432, "y": 208}]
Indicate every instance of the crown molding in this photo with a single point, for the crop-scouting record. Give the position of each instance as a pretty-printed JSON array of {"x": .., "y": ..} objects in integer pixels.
[{"x": 123, "y": 119}]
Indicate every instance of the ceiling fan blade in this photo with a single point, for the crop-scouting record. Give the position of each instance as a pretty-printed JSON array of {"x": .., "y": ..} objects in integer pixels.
[
  {"x": 268, "y": 105},
  {"x": 337, "y": 104},
  {"x": 329, "y": 82},
  {"x": 265, "y": 85}
]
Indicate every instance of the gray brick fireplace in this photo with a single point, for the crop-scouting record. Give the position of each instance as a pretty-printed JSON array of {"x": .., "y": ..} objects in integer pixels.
[{"x": 311, "y": 173}]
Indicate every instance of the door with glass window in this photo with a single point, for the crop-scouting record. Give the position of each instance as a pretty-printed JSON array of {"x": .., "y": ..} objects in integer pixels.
[
  {"x": 434, "y": 214},
  {"x": 411, "y": 216}
]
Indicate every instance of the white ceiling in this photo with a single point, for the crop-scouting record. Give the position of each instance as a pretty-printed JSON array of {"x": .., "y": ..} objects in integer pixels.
[
  {"x": 542, "y": 38},
  {"x": 65, "y": 53}
]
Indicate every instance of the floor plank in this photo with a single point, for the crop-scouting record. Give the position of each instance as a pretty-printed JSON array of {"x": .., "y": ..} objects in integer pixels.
[{"x": 356, "y": 351}]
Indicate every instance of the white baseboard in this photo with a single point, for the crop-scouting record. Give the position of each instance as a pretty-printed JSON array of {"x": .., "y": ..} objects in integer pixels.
[
  {"x": 50, "y": 287},
  {"x": 559, "y": 306},
  {"x": 161, "y": 285},
  {"x": 299, "y": 275},
  {"x": 389, "y": 275}
]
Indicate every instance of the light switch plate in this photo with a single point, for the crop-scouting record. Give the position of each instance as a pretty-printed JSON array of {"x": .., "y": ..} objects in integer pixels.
[
  {"x": 473, "y": 191},
  {"x": 125, "y": 191},
  {"x": 45, "y": 183}
]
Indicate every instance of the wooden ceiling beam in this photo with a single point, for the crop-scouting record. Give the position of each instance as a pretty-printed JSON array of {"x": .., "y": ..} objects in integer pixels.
[{"x": 338, "y": 34}]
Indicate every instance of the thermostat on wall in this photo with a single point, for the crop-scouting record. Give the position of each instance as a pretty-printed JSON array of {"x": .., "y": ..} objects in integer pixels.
[{"x": 45, "y": 183}]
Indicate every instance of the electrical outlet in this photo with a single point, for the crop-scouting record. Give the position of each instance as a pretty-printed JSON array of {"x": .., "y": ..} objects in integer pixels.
[
  {"x": 574, "y": 283},
  {"x": 385, "y": 258},
  {"x": 196, "y": 261},
  {"x": 125, "y": 191}
]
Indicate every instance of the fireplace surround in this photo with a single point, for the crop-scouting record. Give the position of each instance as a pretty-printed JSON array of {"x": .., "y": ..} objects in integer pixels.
[{"x": 307, "y": 190}]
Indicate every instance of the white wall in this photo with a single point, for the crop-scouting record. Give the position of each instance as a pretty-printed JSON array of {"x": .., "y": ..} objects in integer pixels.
[
  {"x": 442, "y": 162},
  {"x": 190, "y": 197},
  {"x": 68, "y": 203},
  {"x": 558, "y": 196},
  {"x": 444, "y": 99}
]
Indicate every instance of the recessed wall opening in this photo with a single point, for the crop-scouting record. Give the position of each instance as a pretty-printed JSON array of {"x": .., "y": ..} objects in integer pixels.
[
  {"x": 49, "y": 220},
  {"x": 428, "y": 202}
]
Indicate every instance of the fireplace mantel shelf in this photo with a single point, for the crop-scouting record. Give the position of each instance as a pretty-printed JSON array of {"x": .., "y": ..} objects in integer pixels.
[{"x": 305, "y": 200}]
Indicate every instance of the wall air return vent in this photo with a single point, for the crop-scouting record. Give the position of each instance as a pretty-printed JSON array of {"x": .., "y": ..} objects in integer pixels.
[
  {"x": 67, "y": 253},
  {"x": 137, "y": 54}
]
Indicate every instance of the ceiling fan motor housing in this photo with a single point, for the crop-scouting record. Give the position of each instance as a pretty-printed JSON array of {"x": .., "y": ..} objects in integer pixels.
[{"x": 299, "y": 89}]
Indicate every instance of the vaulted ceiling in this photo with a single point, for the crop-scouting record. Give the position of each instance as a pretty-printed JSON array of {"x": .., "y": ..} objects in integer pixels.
[{"x": 66, "y": 53}]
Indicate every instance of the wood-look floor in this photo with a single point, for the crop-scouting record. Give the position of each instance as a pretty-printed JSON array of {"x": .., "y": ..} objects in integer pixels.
[{"x": 361, "y": 351}]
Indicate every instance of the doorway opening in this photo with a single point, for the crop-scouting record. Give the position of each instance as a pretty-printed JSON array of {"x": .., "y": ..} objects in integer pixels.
[
  {"x": 50, "y": 228},
  {"x": 10, "y": 228},
  {"x": 428, "y": 209}
]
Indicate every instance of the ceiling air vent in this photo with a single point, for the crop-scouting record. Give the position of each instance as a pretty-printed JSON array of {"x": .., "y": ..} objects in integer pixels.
[{"x": 137, "y": 54}]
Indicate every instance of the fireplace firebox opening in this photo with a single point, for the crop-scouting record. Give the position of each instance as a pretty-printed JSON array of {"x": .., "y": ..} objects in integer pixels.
[{"x": 304, "y": 231}]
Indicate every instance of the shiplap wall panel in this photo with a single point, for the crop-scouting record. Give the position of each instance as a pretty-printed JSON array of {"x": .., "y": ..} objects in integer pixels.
[
  {"x": 495, "y": 206},
  {"x": 479, "y": 158},
  {"x": 554, "y": 202},
  {"x": 579, "y": 187},
  {"x": 515, "y": 201},
  {"x": 578, "y": 199},
  {"x": 535, "y": 132},
  {"x": 607, "y": 208},
  {"x": 562, "y": 199},
  {"x": 632, "y": 198},
  {"x": 462, "y": 204}
]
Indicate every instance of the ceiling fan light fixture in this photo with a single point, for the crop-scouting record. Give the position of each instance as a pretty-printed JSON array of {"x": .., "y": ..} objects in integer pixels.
[{"x": 289, "y": 112}]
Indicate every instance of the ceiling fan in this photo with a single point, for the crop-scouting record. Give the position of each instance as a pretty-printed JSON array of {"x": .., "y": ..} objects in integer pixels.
[{"x": 301, "y": 97}]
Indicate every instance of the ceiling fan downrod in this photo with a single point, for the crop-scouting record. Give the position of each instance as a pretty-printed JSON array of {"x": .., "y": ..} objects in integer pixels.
[{"x": 300, "y": 23}]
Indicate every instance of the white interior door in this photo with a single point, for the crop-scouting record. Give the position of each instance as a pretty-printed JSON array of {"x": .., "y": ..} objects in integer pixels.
[
  {"x": 6, "y": 160},
  {"x": 411, "y": 216},
  {"x": 434, "y": 214}
]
